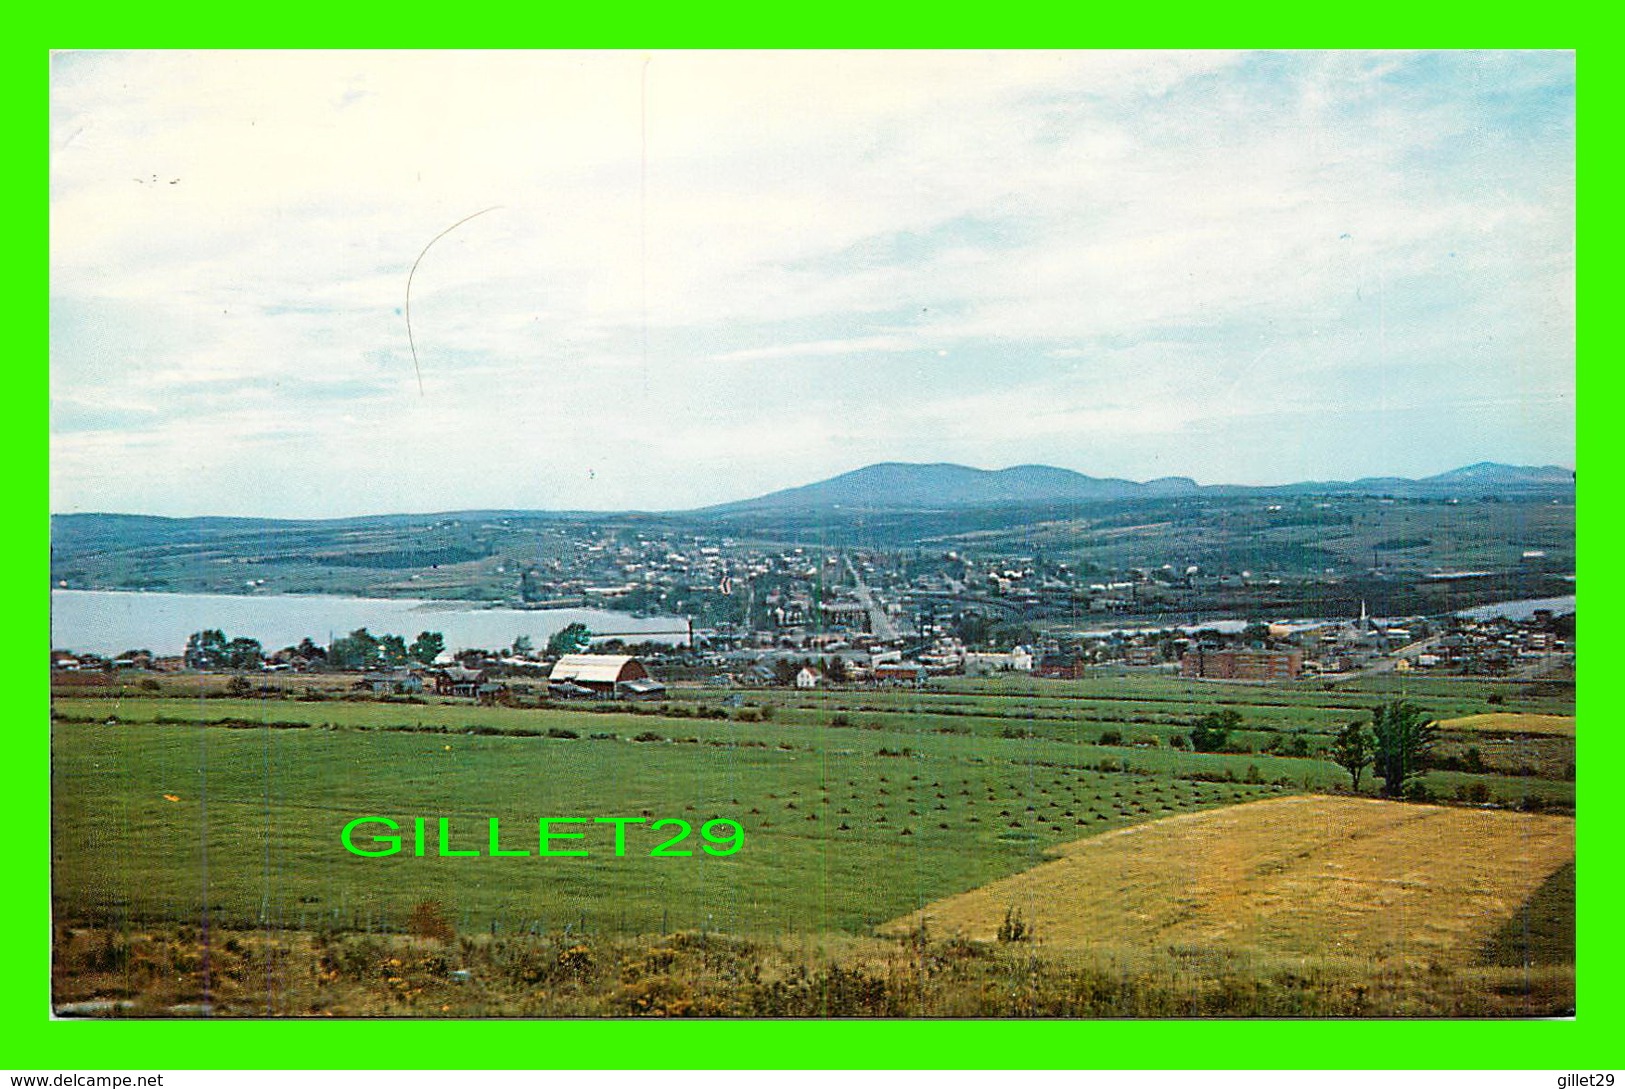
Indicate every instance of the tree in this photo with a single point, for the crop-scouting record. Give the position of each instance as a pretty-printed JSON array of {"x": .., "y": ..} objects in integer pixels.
[
  {"x": 784, "y": 671},
  {"x": 309, "y": 651},
  {"x": 205, "y": 649},
  {"x": 1404, "y": 738},
  {"x": 836, "y": 670},
  {"x": 426, "y": 647},
  {"x": 392, "y": 650},
  {"x": 573, "y": 638},
  {"x": 1210, "y": 732},
  {"x": 1353, "y": 750},
  {"x": 358, "y": 650},
  {"x": 243, "y": 653},
  {"x": 522, "y": 646}
]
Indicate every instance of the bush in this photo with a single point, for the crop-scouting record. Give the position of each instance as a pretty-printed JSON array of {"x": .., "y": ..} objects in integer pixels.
[
  {"x": 429, "y": 921},
  {"x": 649, "y": 735},
  {"x": 555, "y": 731},
  {"x": 1111, "y": 737},
  {"x": 1418, "y": 791},
  {"x": 767, "y": 712},
  {"x": 1014, "y": 928},
  {"x": 840, "y": 721},
  {"x": 1179, "y": 741}
]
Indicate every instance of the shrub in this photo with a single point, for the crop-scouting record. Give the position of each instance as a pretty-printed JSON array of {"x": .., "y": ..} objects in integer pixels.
[
  {"x": 1014, "y": 928},
  {"x": 1179, "y": 741},
  {"x": 556, "y": 731},
  {"x": 649, "y": 735},
  {"x": 840, "y": 721},
  {"x": 429, "y": 921},
  {"x": 1418, "y": 791},
  {"x": 1111, "y": 737}
]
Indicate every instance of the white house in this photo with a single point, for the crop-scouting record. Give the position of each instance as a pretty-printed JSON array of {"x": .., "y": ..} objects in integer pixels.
[{"x": 807, "y": 678}]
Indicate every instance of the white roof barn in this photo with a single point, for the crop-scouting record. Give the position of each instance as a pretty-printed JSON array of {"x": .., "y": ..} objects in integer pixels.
[
  {"x": 599, "y": 668},
  {"x": 604, "y": 675}
]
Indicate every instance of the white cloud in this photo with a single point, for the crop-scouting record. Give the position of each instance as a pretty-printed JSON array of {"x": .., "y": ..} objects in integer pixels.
[{"x": 780, "y": 247}]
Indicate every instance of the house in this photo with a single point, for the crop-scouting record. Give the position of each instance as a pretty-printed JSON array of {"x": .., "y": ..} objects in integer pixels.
[
  {"x": 1065, "y": 667},
  {"x": 398, "y": 682},
  {"x": 1241, "y": 665},
  {"x": 807, "y": 678},
  {"x": 981, "y": 663},
  {"x": 608, "y": 676},
  {"x": 900, "y": 673},
  {"x": 459, "y": 681}
]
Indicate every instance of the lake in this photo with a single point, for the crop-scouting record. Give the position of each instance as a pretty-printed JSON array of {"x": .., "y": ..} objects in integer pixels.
[
  {"x": 1521, "y": 610},
  {"x": 112, "y": 621}
]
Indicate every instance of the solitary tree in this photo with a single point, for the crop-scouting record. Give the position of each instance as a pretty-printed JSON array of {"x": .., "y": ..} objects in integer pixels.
[
  {"x": 1353, "y": 750},
  {"x": 571, "y": 639},
  {"x": 1404, "y": 737}
]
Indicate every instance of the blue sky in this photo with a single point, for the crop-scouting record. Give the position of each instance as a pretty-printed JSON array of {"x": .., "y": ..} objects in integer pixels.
[{"x": 708, "y": 276}]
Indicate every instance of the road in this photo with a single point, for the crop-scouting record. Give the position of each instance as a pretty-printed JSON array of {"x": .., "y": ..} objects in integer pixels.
[{"x": 880, "y": 625}]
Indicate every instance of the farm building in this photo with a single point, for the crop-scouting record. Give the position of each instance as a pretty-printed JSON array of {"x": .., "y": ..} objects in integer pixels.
[
  {"x": 606, "y": 676},
  {"x": 981, "y": 663},
  {"x": 1065, "y": 667},
  {"x": 1241, "y": 665},
  {"x": 899, "y": 673},
  {"x": 399, "y": 682},
  {"x": 459, "y": 681}
]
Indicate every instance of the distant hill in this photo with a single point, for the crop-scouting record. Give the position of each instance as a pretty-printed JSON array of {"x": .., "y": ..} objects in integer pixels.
[
  {"x": 942, "y": 486},
  {"x": 901, "y": 485}
]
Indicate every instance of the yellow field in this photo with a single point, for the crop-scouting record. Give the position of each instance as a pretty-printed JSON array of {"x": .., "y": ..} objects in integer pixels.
[
  {"x": 1558, "y": 725},
  {"x": 1310, "y": 876}
]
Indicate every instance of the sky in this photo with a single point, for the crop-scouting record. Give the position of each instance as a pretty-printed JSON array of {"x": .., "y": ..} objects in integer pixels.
[{"x": 691, "y": 278}]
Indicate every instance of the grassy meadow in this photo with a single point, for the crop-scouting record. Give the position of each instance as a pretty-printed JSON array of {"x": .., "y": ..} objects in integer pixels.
[{"x": 183, "y": 807}]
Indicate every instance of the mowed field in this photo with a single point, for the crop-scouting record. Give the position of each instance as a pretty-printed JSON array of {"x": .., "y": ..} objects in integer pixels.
[
  {"x": 181, "y": 806},
  {"x": 1554, "y": 725},
  {"x": 939, "y": 790},
  {"x": 843, "y": 828},
  {"x": 1313, "y": 876}
]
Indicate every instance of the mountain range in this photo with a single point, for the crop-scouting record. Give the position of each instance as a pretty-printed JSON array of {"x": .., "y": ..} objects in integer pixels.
[{"x": 909, "y": 486}]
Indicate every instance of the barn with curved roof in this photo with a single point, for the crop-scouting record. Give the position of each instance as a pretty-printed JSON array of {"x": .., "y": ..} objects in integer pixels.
[{"x": 603, "y": 675}]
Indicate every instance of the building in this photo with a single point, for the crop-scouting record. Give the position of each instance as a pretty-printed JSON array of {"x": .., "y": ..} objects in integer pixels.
[
  {"x": 1141, "y": 656},
  {"x": 459, "y": 681},
  {"x": 1241, "y": 665},
  {"x": 398, "y": 682},
  {"x": 980, "y": 663},
  {"x": 807, "y": 678},
  {"x": 899, "y": 673},
  {"x": 1060, "y": 667},
  {"x": 608, "y": 676}
]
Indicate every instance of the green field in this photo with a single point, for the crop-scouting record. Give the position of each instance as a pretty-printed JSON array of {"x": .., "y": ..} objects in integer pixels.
[{"x": 857, "y": 806}]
